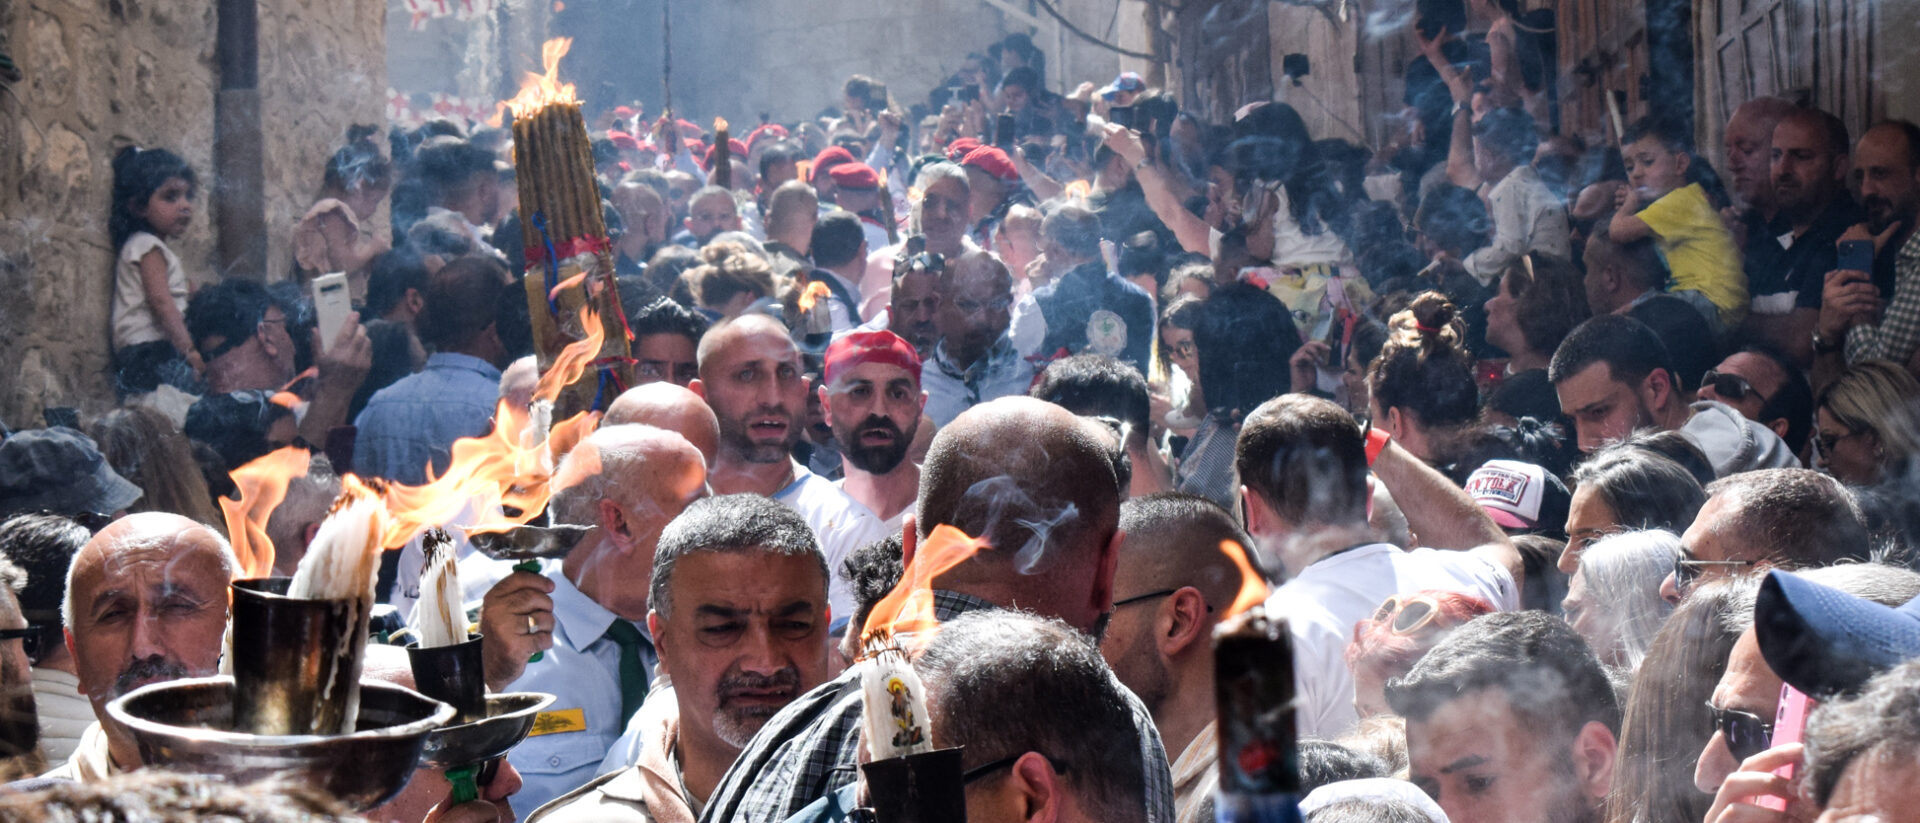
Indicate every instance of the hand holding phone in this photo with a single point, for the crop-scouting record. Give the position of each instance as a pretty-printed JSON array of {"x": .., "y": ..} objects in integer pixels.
[
  {"x": 331, "y": 306},
  {"x": 1789, "y": 726},
  {"x": 1856, "y": 255}
]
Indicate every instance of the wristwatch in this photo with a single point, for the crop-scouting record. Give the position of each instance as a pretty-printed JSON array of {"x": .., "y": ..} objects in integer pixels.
[{"x": 1821, "y": 345}]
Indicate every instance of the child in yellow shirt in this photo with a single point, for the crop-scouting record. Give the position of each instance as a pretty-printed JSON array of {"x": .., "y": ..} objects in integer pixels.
[{"x": 1671, "y": 195}]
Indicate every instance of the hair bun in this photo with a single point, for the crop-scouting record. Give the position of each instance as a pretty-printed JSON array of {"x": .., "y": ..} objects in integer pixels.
[
  {"x": 361, "y": 133},
  {"x": 1433, "y": 314}
]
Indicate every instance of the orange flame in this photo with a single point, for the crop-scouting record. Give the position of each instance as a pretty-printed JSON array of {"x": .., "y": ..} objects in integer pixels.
[
  {"x": 545, "y": 89},
  {"x": 262, "y": 484},
  {"x": 908, "y": 609},
  {"x": 816, "y": 291},
  {"x": 574, "y": 359},
  {"x": 1079, "y": 189},
  {"x": 1253, "y": 585},
  {"x": 719, "y": 126}
]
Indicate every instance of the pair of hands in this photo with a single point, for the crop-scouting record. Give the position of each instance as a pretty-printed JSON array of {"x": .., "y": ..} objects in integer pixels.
[{"x": 1848, "y": 297}]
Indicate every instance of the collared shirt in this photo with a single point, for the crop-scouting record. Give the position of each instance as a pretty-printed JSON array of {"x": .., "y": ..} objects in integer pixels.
[
  {"x": 582, "y": 671},
  {"x": 841, "y": 524},
  {"x": 1527, "y": 217},
  {"x": 414, "y": 422},
  {"x": 1897, "y": 335},
  {"x": 1195, "y": 778},
  {"x": 1001, "y": 372},
  {"x": 651, "y": 789},
  {"x": 1796, "y": 267},
  {"x": 1322, "y": 604},
  {"x": 92, "y": 759},
  {"x": 807, "y": 751}
]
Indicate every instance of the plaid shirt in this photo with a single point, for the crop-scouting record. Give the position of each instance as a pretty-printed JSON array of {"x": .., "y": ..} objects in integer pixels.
[
  {"x": 1898, "y": 333},
  {"x": 808, "y": 750}
]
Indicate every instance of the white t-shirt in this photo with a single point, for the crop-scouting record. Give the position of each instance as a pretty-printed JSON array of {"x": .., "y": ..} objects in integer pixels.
[
  {"x": 840, "y": 523},
  {"x": 1322, "y": 605},
  {"x": 133, "y": 321}
]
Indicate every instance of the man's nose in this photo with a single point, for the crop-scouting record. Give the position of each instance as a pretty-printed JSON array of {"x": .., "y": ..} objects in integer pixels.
[
  {"x": 758, "y": 653},
  {"x": 1670, "y": 589},
  {"x": 149, "y": 638},
  {"x": 1716, "y": 762}
]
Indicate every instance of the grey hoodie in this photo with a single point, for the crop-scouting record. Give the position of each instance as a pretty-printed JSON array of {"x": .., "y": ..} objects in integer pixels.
[{"x": 1734, "y": 444}]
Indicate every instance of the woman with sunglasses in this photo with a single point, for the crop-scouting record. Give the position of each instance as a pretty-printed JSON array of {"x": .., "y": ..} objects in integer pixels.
[
  {"x": 1387, "y": 644},
  {"x": 1867, "y": 428}
]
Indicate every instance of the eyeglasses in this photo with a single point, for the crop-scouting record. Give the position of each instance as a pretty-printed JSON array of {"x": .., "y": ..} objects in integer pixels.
[
  {"x": 33, "y": 640},
  {"x": 1406, "y": 615},
  {"x": 967, "y": 777},
  {"x": 1746, "y": 734},
  {"x": 1149, "y": 596},
  {"x": 1686, "y": 570},
  {"x": 1729, "y": 386},
  {"x": 1826, "y": 442}
]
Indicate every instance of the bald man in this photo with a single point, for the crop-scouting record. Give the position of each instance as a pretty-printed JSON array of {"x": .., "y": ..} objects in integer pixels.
[
  {"x": 1811, "y": 160},
  {"x": 1173, "y": 583},
  {"x": 1043, "y": 487},
  {"x": 588, "y": 611},
  {"x": 427, "y": 793},
  {"x": 751, "y": 376},
  {"x": 670, "y": 407},
  {"x": 146, "y": 602}
]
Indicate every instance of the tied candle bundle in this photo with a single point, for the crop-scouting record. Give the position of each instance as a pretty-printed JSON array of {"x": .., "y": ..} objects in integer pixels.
[
  {"x": 442, "y": 615},
  {"x": 564, "y": 230},
  {"x": 722, "y": 155},
  {"x": 894, "y": 701}
]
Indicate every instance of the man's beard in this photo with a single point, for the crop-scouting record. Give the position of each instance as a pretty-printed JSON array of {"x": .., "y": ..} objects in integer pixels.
[
  {"x": 1145, "y": 674},
  {"x": 740, "y": 435},
  {"x": 1881, "y": 214},
  {"x": 877, "y": 459},
  {"x": 735, "y": 725},
  {"x": 153, "y": 669}
]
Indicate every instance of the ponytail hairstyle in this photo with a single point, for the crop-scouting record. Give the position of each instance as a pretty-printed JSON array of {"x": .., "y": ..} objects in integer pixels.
[
  {"x": 358, "y": 165},
  {"x": 137, "y": 174},
  {"x": 1425, "y": 368}
]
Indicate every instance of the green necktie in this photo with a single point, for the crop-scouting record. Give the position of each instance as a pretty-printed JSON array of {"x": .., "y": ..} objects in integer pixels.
[{"x": 633, "y": 671}]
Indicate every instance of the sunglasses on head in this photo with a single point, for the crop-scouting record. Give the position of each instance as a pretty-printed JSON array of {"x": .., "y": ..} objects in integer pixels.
[
  {"x": 926, "y": 261},
  {"x": 1406, "y": 615},
  {"x": 1686, "y": 570},
  {"x": 1746, "y": 734},
  {"x": 1729, "y": 386}
]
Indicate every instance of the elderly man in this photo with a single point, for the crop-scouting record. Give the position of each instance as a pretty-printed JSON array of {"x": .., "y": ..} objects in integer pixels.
[
  {"x": 945, "y": 216},
  {"x": 244, "y": 338},
  {"x": 1863, "y": 754},
  {"x": 870, "y": 392},
  {"x": 1773, "y": 518},
  {"x": 710, "y": 211},
  {"x": 750, "y": 374},
  {"x": 586, "y": 612},
  {"x": 146, "y": 603},
  {"x": 739, "y": 608},
  {"x": 975, "y": 360},
  {"x": 996, "y": 473},
  {"x": 1173, "y": 583}
]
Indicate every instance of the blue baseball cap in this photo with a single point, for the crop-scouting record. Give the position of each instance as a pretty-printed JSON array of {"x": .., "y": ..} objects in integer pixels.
[
  {"x": 1826, "y": 642},
  {"x": 1127, "y": 81}
]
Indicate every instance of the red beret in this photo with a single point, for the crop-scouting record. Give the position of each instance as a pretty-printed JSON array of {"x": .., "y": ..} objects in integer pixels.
[
  {"x": 992, "y": 161},
  {"x": 623, "y": 140},
  {"x": 734, "y": 145},
  {"x": 624, "y": 112},
  {"x": 958, "y": 149},
  {"x": 773, "y": 131},
  {"x": 688, "y": 128},
  {"x": 854, "y": 176},
  {"x": 828, "y": 158},
  {"x": 693, "y": 144},
  {"x": 855, "y": 348}
]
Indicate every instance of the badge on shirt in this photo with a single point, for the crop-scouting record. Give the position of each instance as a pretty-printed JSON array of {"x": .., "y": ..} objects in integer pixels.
[
  {"x": 1106, "y": 333},
  {"x": 559, "y": 721}
]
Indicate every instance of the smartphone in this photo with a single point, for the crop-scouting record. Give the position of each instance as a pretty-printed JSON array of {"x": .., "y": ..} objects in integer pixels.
[
  {"x": 1121, "y": 116},
  {"x": 1789, "y": 726},
  {"x": 967, "y": 94},
  {"x": 1003, "y": 131},
  {"x": 1856, "y": 255},
  {"x": 331, "y": 305}
]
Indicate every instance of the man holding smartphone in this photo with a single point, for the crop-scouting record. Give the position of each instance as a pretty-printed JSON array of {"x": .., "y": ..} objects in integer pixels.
[{"x": 1852, "y": 325}]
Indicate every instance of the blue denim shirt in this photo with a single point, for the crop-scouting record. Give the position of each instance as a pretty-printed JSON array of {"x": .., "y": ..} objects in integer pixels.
[{"x": 415, "y": 421}]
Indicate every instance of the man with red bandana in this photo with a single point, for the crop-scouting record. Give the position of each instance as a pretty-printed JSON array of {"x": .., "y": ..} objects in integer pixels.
[
  {"x": 871, "y": 394},
  {"x": 995, "y": 186}
]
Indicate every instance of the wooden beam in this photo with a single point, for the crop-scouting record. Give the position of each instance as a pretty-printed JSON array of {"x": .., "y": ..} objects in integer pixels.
[{"x": 1015, "y": 13}]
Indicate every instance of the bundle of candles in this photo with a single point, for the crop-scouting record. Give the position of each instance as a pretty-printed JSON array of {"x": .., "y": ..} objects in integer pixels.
[
  {"x": 569, "y": 256},
  {"x": 441, "y": 617}
]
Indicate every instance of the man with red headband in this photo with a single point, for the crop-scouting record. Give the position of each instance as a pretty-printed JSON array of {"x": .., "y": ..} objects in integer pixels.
[
  {"x": 995, "y": 186},
  {"x": 871, "y": 394},
  {"x": 856, "y": 188}
]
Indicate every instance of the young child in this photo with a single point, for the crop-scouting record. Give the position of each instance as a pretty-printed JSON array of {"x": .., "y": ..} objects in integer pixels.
[
  {"x": 152, "y": 203},
  {"x": 1675, "y": 197}
]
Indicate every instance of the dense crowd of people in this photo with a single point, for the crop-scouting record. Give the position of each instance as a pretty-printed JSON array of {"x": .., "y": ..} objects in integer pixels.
[{"x": 1568, "y": 464}]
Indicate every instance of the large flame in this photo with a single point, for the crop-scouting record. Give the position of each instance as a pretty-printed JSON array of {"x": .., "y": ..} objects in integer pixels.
[
  {"x": 545, "y": 89},
  {"x": 908, "y": 609},
  {"x": 814, "y": 293},
  {"x": 1253, "y": 585},
  {"x": 262, "y": 484}
]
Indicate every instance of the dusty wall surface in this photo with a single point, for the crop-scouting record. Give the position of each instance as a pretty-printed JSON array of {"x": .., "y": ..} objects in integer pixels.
[{"x": 102, "y": 74}]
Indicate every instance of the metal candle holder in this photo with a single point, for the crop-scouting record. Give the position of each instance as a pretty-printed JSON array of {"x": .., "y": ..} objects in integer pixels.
[
  {"x": 452, "y": 674},
  {"x": 296, "y": 663},
  {"x": 917, "y": 788}
]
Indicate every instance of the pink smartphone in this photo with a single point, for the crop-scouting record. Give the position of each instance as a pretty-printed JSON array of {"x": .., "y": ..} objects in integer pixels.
[{"x": 1789, "y": 725}]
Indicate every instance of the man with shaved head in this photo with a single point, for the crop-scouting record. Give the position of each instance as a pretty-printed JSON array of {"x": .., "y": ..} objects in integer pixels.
[
  {"x": 975, "y": 359},
  {"x": 587, "y": 612},
  {"x": 751, "y": 376},
  {"x": 1811, "y": 158},
  {"x": 1042, "y": 487},
  {"x": 671, "y": 407},
  {"x": 146, "y": 603},
  {"x": 1175, "y": 581}
]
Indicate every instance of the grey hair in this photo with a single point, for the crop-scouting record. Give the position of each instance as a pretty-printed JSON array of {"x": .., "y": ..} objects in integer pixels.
[
  {"x": 1369, "y": 810},
  {"x": 731, "y": 523},
  {"x": 229, "y": 562},
  {"x": 1882, "y": 583},
  {"x": 935, "y": 172},
  {"x": 12, "y": 576},
  {"x": 1643, "y": 489},
  {"x": 595, "y": 471},
  {"x": 1793, "y": 517},
  {"x": 1883, "y": 721},
  {"x": 1623, "y": 573},
  {"x": 1003, "y": 683}
]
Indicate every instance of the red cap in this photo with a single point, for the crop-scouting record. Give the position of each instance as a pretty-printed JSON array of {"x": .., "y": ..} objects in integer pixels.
[
  {"x": 624, "y": 112},
  {"x": 854, "y": 176},
  {"x": 623, "y": 140},
  {"x": 958, "y": 149},
  {"x": 694, "y": 146},
  {"x": 771, "y": 131},
  {"x": 992, "y": 161},
  {"x": 688, "y": 128},
  {"x": 828, "y": 158},
  {"x": 854, "y": 348},
  {"x": 734, "y": 145}
]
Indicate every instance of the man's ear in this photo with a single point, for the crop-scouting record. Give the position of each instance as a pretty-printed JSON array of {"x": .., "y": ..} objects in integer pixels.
[
  {"x": 1260, "y": 518},
  {"x": 1778, "y": 427},
  {"x": 909, "y": 538},
  {"x": 613, "y": 522},
  {"x": 659, "y": 644},
  {"x": 826, "y": 406},
  {"x": 1658, "y": 389},
  {"x": 1187, "y": 624},
  {"x": 1104, "y": 572},
  {"x": 414, "y": 301},
  {"x": 1039, "y": 790},
  {"x": 306, "y": 534},
  {"x": 1594, "y": 750},
  {"x": 73, "y": 653},
  {"x": 698, "y": 388},
  {"x": 1682, "y": 162}
]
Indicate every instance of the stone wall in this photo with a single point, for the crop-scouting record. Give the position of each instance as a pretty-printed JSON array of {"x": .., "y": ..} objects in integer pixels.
[{"x": 102, "y": 74}]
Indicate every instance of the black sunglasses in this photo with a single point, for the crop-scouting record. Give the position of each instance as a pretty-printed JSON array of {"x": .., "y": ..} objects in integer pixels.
[
  {"x": 1746, "y": 734},
  {"x": 1729, "y": 386},
  {"x": 1686, "y": 570},
  {"x": 33, "y": 640},
  {"x": 1149, "y": 596},
  {"x": 977, "y": 772}
]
